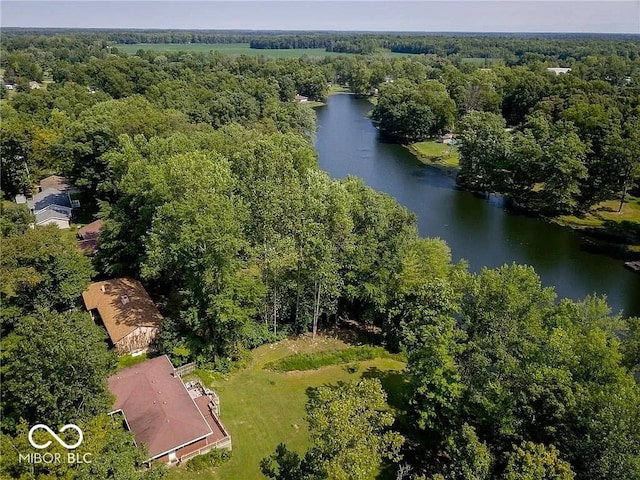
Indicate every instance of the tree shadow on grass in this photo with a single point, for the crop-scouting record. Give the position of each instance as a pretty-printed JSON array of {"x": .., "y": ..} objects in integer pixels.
[{"x": 395, "y": 383}]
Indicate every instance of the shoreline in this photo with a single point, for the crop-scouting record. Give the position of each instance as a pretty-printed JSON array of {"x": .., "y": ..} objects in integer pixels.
[{"x": 598, "y": 237}]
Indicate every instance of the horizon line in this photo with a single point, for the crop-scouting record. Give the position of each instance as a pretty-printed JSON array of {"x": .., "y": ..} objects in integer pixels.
[{"x": 252, "y": 30}]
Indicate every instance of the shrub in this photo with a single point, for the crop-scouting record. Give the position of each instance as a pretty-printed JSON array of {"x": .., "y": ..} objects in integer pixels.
[
  {"x": 207, "y": 460},
  {"x": 311, "y": 361}
]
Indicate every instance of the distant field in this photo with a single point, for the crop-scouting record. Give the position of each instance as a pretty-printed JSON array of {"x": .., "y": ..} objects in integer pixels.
[
  {"x": 481, "y": 62},
  {"x": 235, "y": 49},
  {"x": 226, "y": 48}
]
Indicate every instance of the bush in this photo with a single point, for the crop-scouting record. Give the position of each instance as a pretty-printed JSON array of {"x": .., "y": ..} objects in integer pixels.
[
  {"x": 311, "y": 361},
  {"x": 207, "y": 460},
  {"x": 255, "y": 334}
]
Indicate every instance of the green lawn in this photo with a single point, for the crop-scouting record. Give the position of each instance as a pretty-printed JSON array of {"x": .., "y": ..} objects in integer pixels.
[
  {"x": 226, "y": 48},
  {"x": 605, "y": 215},
  {"x": 261, "y": 408},
  {"x": 238, "y": 49},
  {"x": 432, "y": 152},
  {"x": 126, "y": 361},
  {"x": 483, "y": 62},
  {"x": 607, "y": 210}
]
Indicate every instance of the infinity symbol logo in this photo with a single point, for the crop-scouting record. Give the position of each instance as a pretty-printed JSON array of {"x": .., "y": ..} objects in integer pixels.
[{"x": 53, "y": 434}]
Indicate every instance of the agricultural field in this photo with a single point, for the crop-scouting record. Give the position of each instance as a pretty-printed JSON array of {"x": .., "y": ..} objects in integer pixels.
[
  {"x": 225, "y": 48},
  {"x": 262, "y": 408},
  {"x": 236, "y": 49},
  {"x": 483, "y": 62}
]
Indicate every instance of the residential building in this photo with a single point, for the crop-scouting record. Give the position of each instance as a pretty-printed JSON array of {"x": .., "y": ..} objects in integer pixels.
[
  {"x": 88, "y": 237},
  {"x": 52, "y": 205},
  {"x": 174, "y": 422},
  {"x": 301, "y": 98},
  {"x": 447, "y": 138},
  {"x": 125, "y": 309},
  {"x": 558, "y": 70}
]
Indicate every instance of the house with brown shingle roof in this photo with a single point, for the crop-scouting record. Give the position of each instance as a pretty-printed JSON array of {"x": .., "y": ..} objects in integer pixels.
[
  {"x": 175, "y": 423},
  {"x": 127, "y": 312}
]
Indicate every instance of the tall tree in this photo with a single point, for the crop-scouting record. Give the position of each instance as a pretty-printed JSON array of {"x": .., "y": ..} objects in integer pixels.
[
  {"x": 47, "y": 375},
  {"x": 42, "y": 268}
]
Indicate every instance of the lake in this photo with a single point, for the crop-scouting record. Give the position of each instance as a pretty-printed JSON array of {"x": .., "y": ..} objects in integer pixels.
[{"x": 477, "y": 229}]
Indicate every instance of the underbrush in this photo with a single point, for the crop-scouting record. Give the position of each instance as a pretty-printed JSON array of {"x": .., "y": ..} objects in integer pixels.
[
  {"x": 311, "y": 361},
  {"x": 207, "y": 460}
]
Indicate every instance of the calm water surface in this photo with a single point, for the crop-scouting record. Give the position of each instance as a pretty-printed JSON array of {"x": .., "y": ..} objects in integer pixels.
[{"x": 477, "y": 229}]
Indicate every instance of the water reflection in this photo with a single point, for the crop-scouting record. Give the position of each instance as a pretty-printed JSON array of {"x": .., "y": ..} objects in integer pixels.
[{"x": 477, "y": 228}]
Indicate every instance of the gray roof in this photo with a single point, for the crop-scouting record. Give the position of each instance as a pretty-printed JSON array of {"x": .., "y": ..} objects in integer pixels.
[
  {"x": 47, "y": 198},
  {"x": 50, "y": 214}
]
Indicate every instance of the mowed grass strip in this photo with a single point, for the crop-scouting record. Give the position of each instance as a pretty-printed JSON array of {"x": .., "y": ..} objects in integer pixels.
[
  {"x": 434, "y": 152},
  {"x": 262, "y": 408},
  {"x": 606, "y": 211},
  {"x": 311, "y": 361}
]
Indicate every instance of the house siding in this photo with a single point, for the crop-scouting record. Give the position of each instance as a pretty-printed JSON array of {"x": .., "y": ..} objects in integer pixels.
[
  {"x": 61, "y": 224},
  {"x": 141, "y": 340}
]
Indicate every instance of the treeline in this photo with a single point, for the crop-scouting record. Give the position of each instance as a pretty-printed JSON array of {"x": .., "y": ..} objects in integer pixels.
[
  {"x": 555, "y": 144},
  {"x": 510, "y": 48},
  {"x": 202, "y": 170},
  {"x": 503, "y": 383}
]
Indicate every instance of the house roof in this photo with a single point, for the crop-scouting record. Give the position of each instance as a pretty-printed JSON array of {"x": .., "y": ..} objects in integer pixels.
[
  {"x": 558, "y": 70},
  {"x": 91, "y": 230},
  {"x": 88, "y": 247},
  {"x": 89, "y": 235},
  {"x": 123, "y": 304},
  {"x": 48, "y": 197},
  {"x": 158, "y": 409},
  {"x": 49, "y": 214},
  {"x": 55, "y": 181}
]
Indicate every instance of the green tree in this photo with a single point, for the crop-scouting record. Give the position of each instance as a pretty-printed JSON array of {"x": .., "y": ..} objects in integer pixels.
[
  {"x": 484, "y": 150},
  {"x": 348, "y": 426},
  {"x": 41, "y": 268},
  {"x": 47, "y": 375},
  {"x": 631, "y": 344},
  {"x": 470, "y": 459},
  {"x": 283, "y": 464},
  {"x": 531, "y": 461},
  {"x": 110, "y": 449},
  {"x": 14, "y": 218},
  {"x": 410, "y": 112}
]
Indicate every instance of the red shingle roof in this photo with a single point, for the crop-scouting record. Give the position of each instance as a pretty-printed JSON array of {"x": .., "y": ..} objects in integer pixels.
[{"x": 158, "y": 409}]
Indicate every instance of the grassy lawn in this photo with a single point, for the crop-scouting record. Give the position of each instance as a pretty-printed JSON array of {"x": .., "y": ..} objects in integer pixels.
[
  {"x": 604, "y": 211},
  {"x": 432, "y": 152},
  {"x": 126, "y": 361},
  {"x": 262, "y": 408},
  {"x": 605, "y": 216}
]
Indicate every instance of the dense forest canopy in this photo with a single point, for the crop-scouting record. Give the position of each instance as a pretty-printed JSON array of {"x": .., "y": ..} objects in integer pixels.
[{"x": 202, "y": 170}]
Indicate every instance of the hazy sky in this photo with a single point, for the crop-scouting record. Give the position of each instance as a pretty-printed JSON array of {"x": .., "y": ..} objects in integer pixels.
[{"x": 391, "y": 15}]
